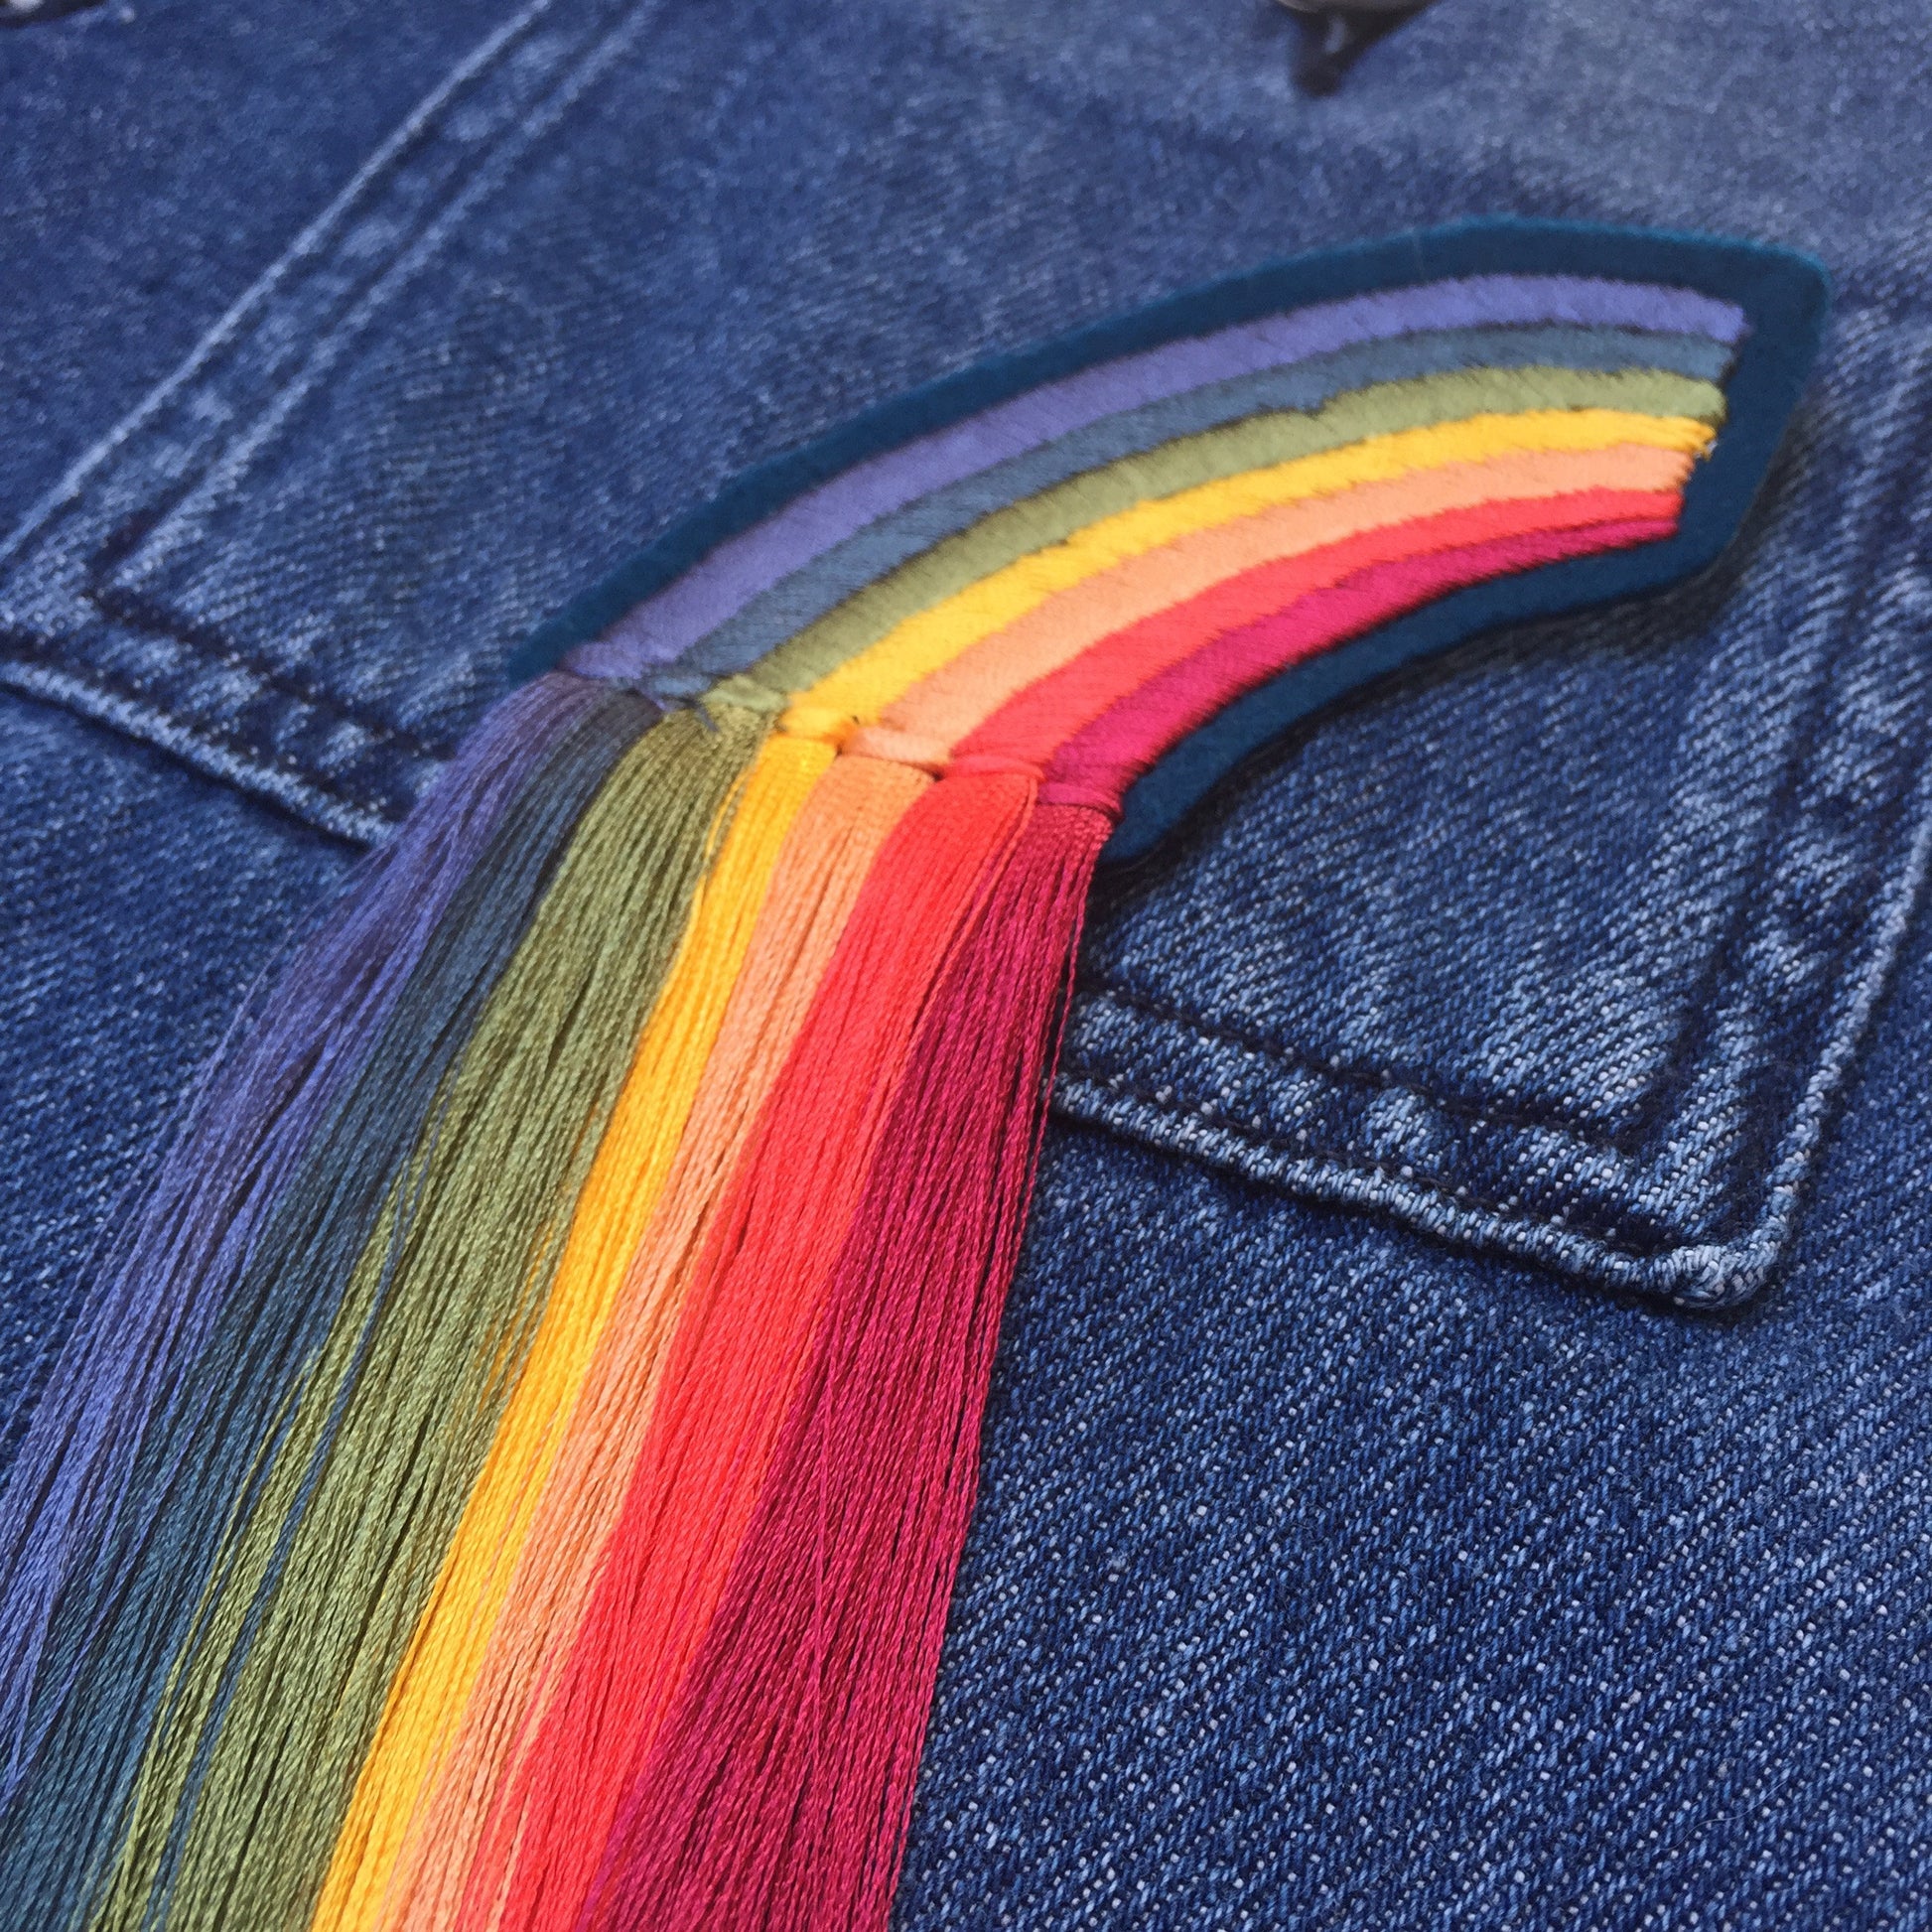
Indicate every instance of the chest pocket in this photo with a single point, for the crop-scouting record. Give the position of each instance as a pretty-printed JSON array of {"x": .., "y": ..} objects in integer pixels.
[
  {"x": 1566, "y": 947},
  {"x": 1563, "y": 947}
]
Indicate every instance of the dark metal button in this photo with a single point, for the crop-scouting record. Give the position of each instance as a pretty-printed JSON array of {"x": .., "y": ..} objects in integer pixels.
[
  {"x": 1334, "y": 32},
  {"x": 30, "y": 13}
]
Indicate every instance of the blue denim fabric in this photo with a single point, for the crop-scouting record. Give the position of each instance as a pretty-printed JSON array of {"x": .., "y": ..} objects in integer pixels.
[
  {"x": 1366, "y": 1543},
  {"x": 137, "y": 901},
  {"x": 158, "y": 157},
  {"x": 1565, "y": 948},
  {"x": 1322, "y": 1578}
]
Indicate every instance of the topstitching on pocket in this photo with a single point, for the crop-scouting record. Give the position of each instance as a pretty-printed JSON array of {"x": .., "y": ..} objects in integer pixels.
[
  {"x": 345, "y": 747},
  {"x": 1565, "y": 948},
  {"x": 1562, "y": 949}
]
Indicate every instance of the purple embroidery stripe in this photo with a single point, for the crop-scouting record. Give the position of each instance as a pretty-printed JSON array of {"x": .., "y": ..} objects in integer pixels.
[{"x": 716, "y": 589}]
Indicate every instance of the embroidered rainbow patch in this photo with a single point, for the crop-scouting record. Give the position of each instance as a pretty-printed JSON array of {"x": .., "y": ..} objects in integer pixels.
[{"x": 513, "y": 1462}]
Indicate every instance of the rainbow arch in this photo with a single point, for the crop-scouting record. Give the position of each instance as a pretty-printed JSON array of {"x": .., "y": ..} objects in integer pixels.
[
  {"x": 535, "y": 1503},
  {"x": 1500, "y": 293}
]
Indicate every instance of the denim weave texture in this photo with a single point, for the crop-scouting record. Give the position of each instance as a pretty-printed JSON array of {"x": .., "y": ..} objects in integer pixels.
[{"x": 1457, "y": 1451}]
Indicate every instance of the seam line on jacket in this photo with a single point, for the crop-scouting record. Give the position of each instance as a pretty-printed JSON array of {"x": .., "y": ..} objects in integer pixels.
[
  {"x": 1211, "y": 1114},
  {"x": 1370, "y": 1080},
  {"x": 241, "y": 758}
]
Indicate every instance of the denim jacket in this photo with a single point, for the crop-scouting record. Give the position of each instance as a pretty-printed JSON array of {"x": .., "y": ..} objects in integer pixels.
[{"x": 1457, "y": 1456}]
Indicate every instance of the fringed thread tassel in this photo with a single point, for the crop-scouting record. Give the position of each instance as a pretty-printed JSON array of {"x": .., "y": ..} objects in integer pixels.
[
  {"x": 780, "y": 1787},
  {"x": 318, "y": 1587},
  {"x": 193, "y": 1441},
  {"x": 826, "y": 860},
  {"x": 748, "y": 1321},
  {"x": 426, "y": 1700},
  {"x": 165, "y": 1274}
]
